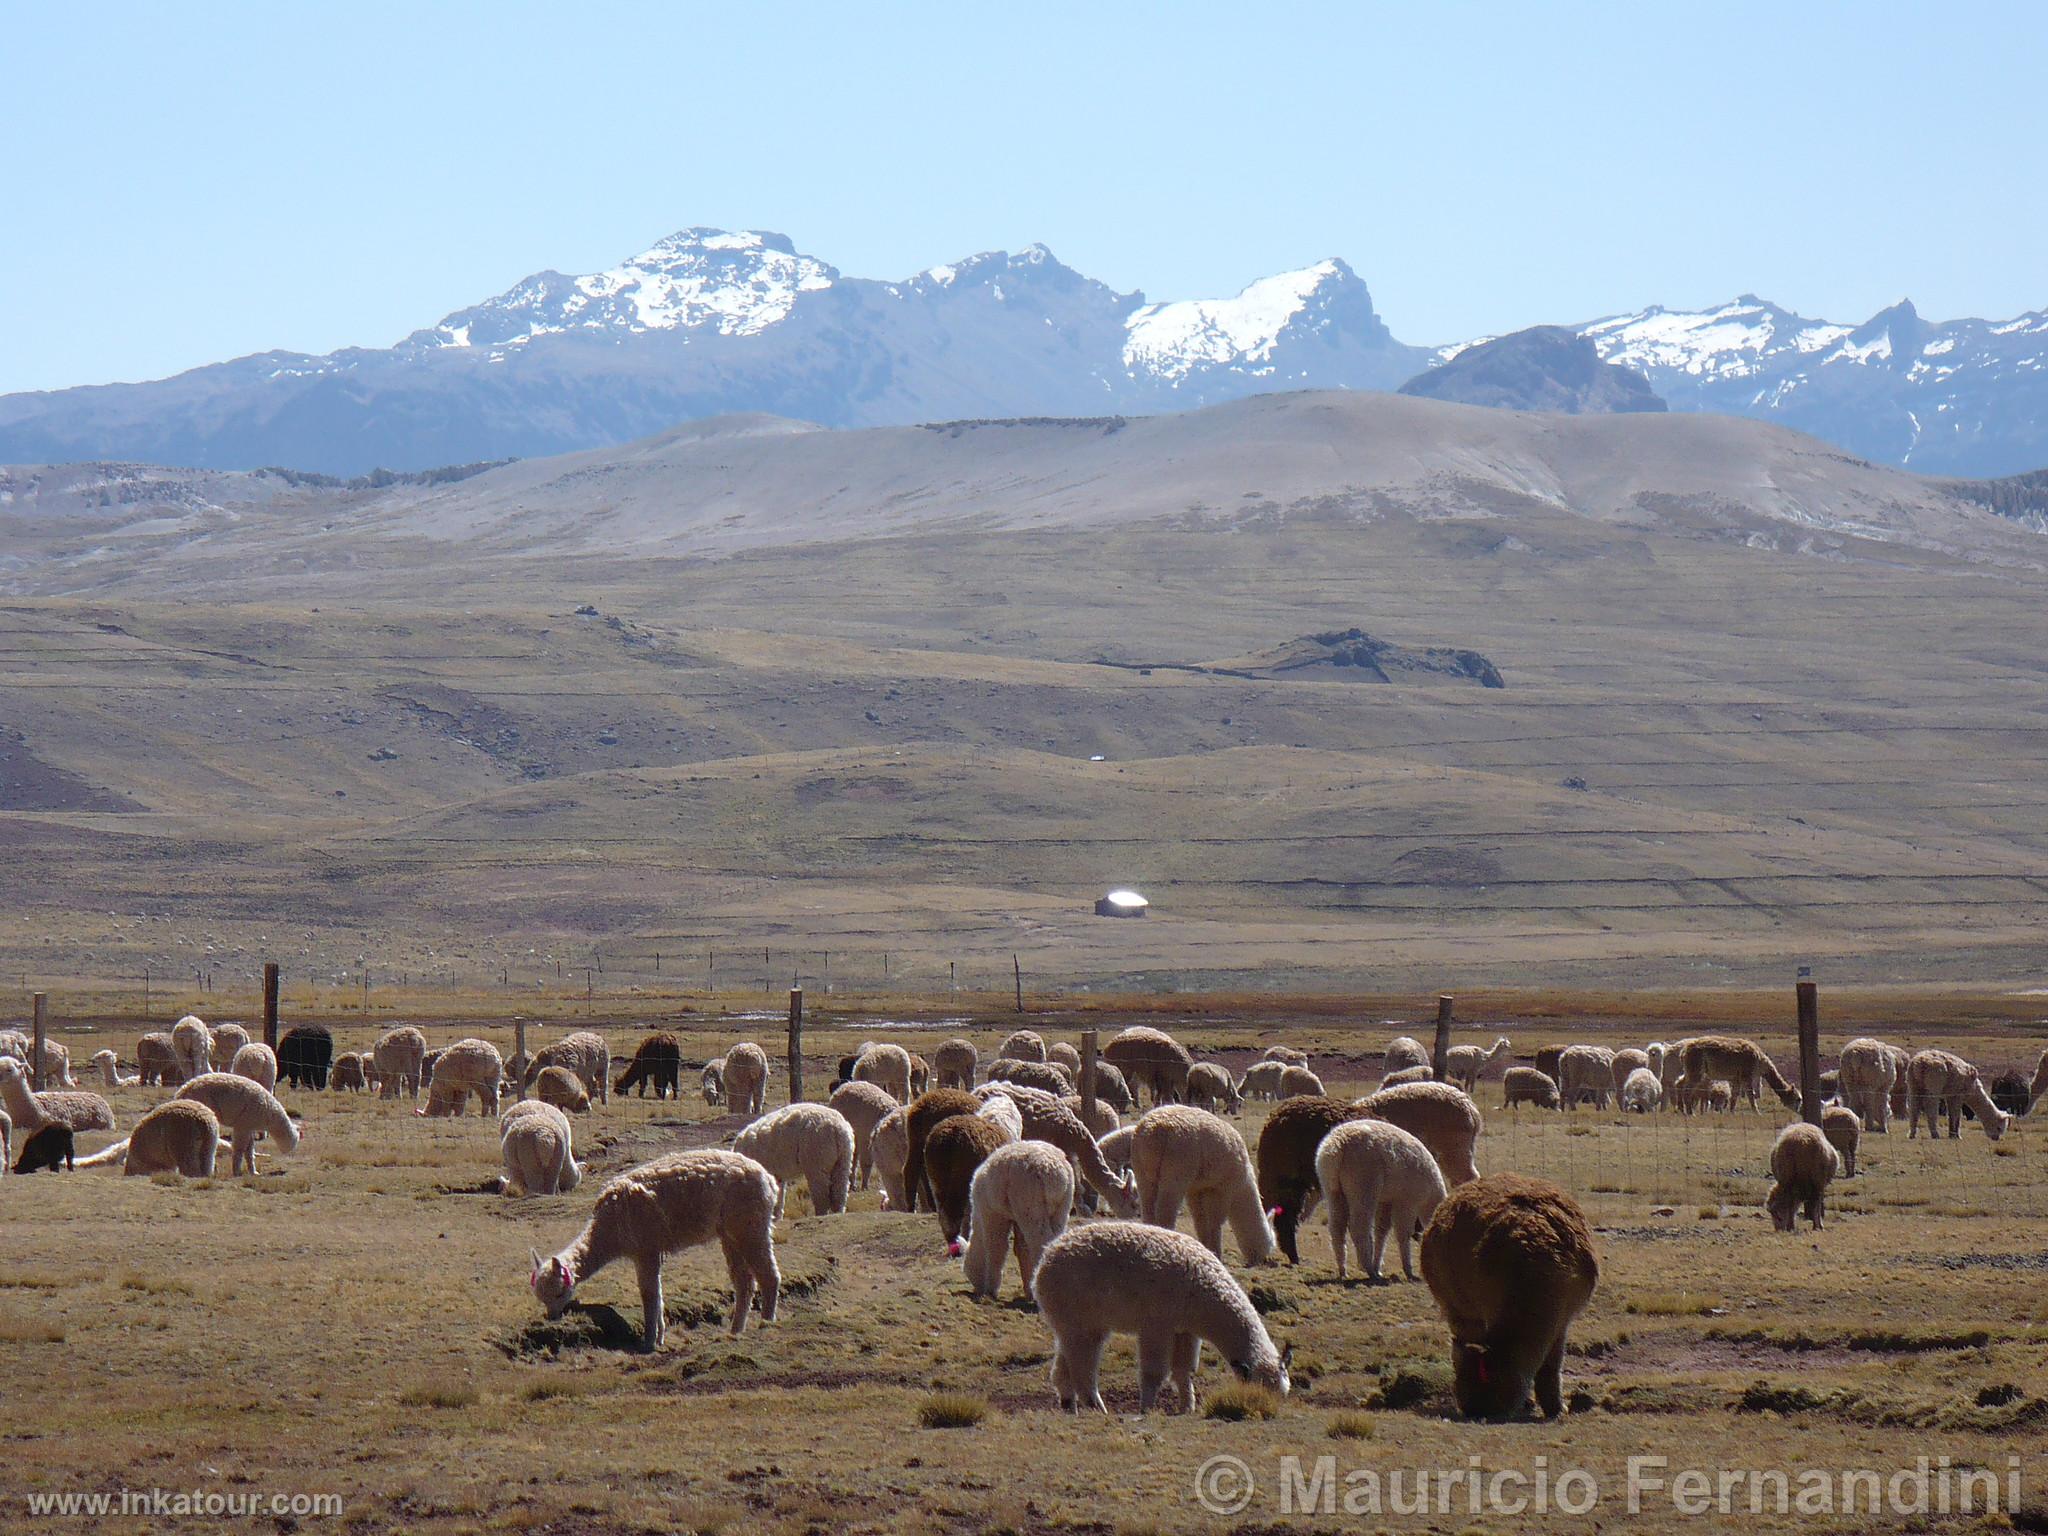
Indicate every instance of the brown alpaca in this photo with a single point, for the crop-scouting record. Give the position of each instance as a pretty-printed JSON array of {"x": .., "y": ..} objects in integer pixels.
[
  {"x": 1742, "y": 1063},
  {"x": 1510, "y": 1261},
  {"x": 1287, "y": 1162},
  {"x": 397, "y": 1056},
  {"x": 1803, "y": 1164},
  {"x": 657, "y": 1061},
  {"x": 956, "y": 1147},
  {"x": 663, "y": 1207},
  {"x": 182, "y": 1136},
  {"x": 157, "y": 1061},
  {"x": 1153, "y": 1060},
  {"x": 925, "y": 1112},
  {"x": 1441, "y": 1117}
]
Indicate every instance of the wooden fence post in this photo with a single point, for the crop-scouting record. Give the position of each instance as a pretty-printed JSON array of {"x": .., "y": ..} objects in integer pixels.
[
  {"x": 270, "y": 1004},
  {"x": 1017, "y": 966},
  {"x": 1439, "y": 1061},
  {"x": 519, "y": 1040},
  {"x": 1088, "y": 1078},
  {"x": 35, "y": 1066},
  {"x": 1809, "y": 1053},
  {"x": 796, "y": 1045}
]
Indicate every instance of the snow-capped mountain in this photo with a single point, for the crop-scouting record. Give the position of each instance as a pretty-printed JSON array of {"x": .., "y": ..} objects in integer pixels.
[{"x": 709, "y": 322}]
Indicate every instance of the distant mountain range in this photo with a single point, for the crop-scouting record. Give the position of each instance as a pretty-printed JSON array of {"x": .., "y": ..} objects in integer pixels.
[{"x": 709, "y": 322}]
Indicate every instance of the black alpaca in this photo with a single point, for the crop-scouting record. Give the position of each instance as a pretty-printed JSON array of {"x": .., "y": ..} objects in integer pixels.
[{"x": 47, "y": 1148}]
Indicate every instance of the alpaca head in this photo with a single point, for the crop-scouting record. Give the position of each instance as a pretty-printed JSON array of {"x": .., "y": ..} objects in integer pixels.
[
  {"x": 1484, "y": 1385},
  {"x": 1273, "y": 1373},
  {"x": 553, "y": 1282},
  {"x": 1783, "y": 1206},
  {"x": 1124, "y": 1202}
]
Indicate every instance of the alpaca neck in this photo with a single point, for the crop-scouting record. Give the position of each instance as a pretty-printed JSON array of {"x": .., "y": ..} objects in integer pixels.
[
  {"x": 1228, "y": 1322},
  {"x": 598, "y": 1244}
]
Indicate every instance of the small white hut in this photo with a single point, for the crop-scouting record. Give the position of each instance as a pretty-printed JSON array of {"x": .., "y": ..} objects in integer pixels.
[{"x": 1121, "y": 904}]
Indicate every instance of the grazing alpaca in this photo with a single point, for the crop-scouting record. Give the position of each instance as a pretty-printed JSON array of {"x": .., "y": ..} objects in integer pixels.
[
  {"x": 1042, "y": 1075},
  {"x": 6, "y": 1138},
  {"x": 180, "y": 1136},
  {"x": 1628, "y": 1060},
  {"x": 930, "y": 1107},
  {"x": 1464, "y": 1064},
  {"x": 1261, "y": 1080},
  {"x": 156, "y": 1061},
  {"x": 1441, "y": 1117},
  {"x": 397, "y": 1056},
  {"x": 558, "y": 1086},
  {"x": 1153, "y": 1060},
  {"x": 1404, "y": 1051},
  {"x": 50, "y": 1148},
  {"x": 808, "y": 1141},
  {"x": 304, "y": 1055},
  {"x": 1022, "y": 1045},
  {"x": 1378, "y": 1180},
  {"x": 1526, "y": 1085},
  {"x": 227, "y": 1039},
  {"x": 193, "y": 1042},
  {"x": 1511, "y": 1264},
  {"x": 1641, "y": 1092},
  {"x": 659, "y": 1061},
  {"x": 890, "y": 1144},
  {"x": 1110, "y": 1087},
  {"x": 663, "y": 1207},
  {"x": 1942, "y": 1080},
  {"x": 1103, "y": 1121},
  {"x": 1585, "y": 1072},
  {"x": 1180, "y": 1153},
  {"x": 1019, "y": 1197},
  {"x": 246, "y": 1110},
  {"x": 1286, "y": 1055},
  {"x": 1288, "y": 1186},
  {"x": 2038, "y": 1088},
  {"x": 743, "y": 1077},
  {"x": 32, "y": 1111},
  {"x": 258, "y": 1063},
  {"x": 956, "y": 1062},
  {"x": 1164, "y": 1287},
  {"x": 1047, "y": 1118},
  {"x": 1408, "y": 1075},
  {"x": 584, "y": 1054},
  {"x": 956, "y": 1147},
  {"x": 1803, "y": 1164},
  {"x": 466, "y": 1067},
  {"x": 1742, "y": 1063},
  {"x": 110, "y": 1070},
  {"x": 348, "y": 1075},
  {"x": 1844, "y": 1133},
  {"x": 537, "y": 1147},
  {"x": 863, "y": 1106},
  {"x": 1063, "y": 1054},
  {"x": 887, "y": 1067}
]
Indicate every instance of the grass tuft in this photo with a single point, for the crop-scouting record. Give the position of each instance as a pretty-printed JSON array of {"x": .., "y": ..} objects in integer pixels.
[
  {"x": 1242, "y": 1400},
  {"x": 952, "y": 1410},
  {"x": 28, "y": 1330},
  {"x": 1349, "y": 1425},
  {"x": 1673, "y": 1304}
]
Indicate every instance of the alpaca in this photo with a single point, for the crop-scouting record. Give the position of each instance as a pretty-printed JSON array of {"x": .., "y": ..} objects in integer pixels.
[
  {"x": 397, "y": 1056},
  {"x": 537, "y": 1147},
  {"x": 1743, "y": 1063},
  {"x": 1047, "y": 1118},
  {"x": 657, "y": 1061},
  {"x": 1407, "y": 1075},
  {"x": 811, "y": 1141},
  {"x": 890, "y": 1144},
  {"x": 246, "y": 1110},
  {"x": 887, "y": 1067},
  {"x": 347, "y": 1075},
  {"x": 1641, "y": 1092},
  {"x": 1182, "y": 1153},
  {"x": 6, "y": 1139},
  {"x": 1022, "y": 1045},
  {"x": 920, "y": 1074},
  {"x": 1288, "y": 1187},
  {"x": 304, "y": 1055},
  {"x": 52, "y": 1147},
  {"x": 179, "y": 1136},
  {"x": 560, "y": 1087},
  {"x": 713, "y": 1082},
  {"x": 1942, "y": 1080},
  {"x": 1404, "y": 1051},
  {"x": 227, "y": 1039},
  {"x": 744, "y": 1074},
  {"x": 1525, "y": 1085},
  {"x": 956, "y": 1062},
  {"x": 1585, "y": 1072},
  {"x": 1164, "y": 1287},
  {"x": 930, "y": 1107},
  {"x": 193, "y": 1042},
  {"x": 584, "y": 1054},
  {"x": 1116, "y": 1148},
  {"x": 663, "y": 1207},
  {"x": 56, "y": 1061},
  {"x": 1151, "y": 1059},
  {"x": 1511, "y": 1264},
  {"x": 1101, "y": 1123},
  {"x": 956, "y": 1147},
  {"x": 1441, "y": 1117},
  {"x": 1062, "y": 1053},
  {"x": 466, "y": 1067},
  {"x": 1464, "y": 1064},
  {"x": 110, "y": 1070},
  {"x": 1803, "y": 1164},
  {"x": 1628, "y": 1060},
  {"x": 1377, "y": 1179},
  {"x": 1299, "y": 1082},
  {"x": 1844, "y": 1133},
  {"x": 258, "y": 1063},
  {"x": 156, "y": 1061},
  {"x": 863, "y": 1106},
  {"x": 2038, "y": 1088},
  {"x": 31, "y": 1111},
  {"x": 1019, "y": 1197},
  {"x": 1042, "y": 1075},
  {"x": 1110, "y": 1087},
  {"x": 1261, "y": 1080},
  {"x": 1002, "y": 1110},
  {"x": 1287, "y": 1055}
]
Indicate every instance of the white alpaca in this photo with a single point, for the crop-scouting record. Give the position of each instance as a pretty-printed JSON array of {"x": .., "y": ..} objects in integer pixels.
[
  {"x": 1585, "y": 1072},
  {"x": 956, "y": 1062},
  {"x": 258, "y": 1063},
  {"x": 227, "y": 1040},
  {"x": 890, "y": 1146},
  {"x": 663, "y": 1207},
  {"x": 810, "y": 1141},
  {"x": 1403, "y": 1051},
  {"x": 1299, "y": 1082},
  {"x": 1000, "y": 1109},
  {"x": 1438, "y": 1115},
  {"x": 864, "y": 1106},
  {"x": 1463, "y": 1064},
  {"x": 1866, "y": 1076},
  {"x": 1261, "y": 1080},
  {"x": 537, "y": 1146},
  {"x": 744, "y": 1075},
  {"x": 584, "y": 1054},
  {"x": 1183, "y": 1154},
  {"x": 1526, "y": 1085},
  {"x": 246, "y": 1110},
  {"x": 712, "y": 1082},
  {"x": 1642, "y": 1092},
  {"x": 466, "y": 1067},
  {"x": 56, "y": 1057},
  {"x": 1210, "y": 1087},
  {"x": 110, "y": 1070},
  {"x": 396, "y": 1059},
  {"x": 888, "y": 1068},
  {"x": 1022, "y": 1045},
  {"x": 1378, "y": 1179},
  {"x": 1047, "y": 1118},
  {"x": 193, "y": 1042},
  {"x": 1164, "y": 1287},
  {"x": 1939, "y": 1081},
  {"x": 1061, "y": 1053},
  {"x": 6, "y": 1141},
  {"x": 1116, "y": 1148},
  {"x": 1101, "y": 1123},
  {"x": 31, "y": 1111},
  {"x": 1020, "y": 1197}
]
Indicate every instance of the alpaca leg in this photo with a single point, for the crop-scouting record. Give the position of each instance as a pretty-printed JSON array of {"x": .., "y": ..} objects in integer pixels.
[
  {"x": 1163, "y": 1209},
  {"x": 1155, "y": 1359},
  {"x": 1550, "y": 1380},
  {"x": 741, "y": 1273},
  {"x": 757, "y": 1250},
  {"x": 1340, "y": 1217},
  {"x": 1077, "y": 1371},
  {"x": 1027, "y": 1258},
  {"x": 1373, "y": 1240},
  {"x": 1180, "y": 1380},
  {"x": 1205, "y": 1212}
]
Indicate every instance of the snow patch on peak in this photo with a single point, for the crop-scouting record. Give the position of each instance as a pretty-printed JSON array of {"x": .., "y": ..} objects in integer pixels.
[
  {"x": 1729, "y": 341},
  {"x": 1172, "y": 340}
]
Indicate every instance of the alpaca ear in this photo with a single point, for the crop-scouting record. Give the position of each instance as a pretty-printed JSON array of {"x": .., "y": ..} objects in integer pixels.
[{"x": 536, "y": 1260}]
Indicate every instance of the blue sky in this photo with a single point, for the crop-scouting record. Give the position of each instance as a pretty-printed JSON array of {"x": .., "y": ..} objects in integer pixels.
[{"x": 185, "y": 184}]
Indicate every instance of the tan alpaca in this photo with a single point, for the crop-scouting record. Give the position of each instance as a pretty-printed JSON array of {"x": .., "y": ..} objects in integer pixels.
[
  {"x": 1153, "y": 1060},
  {"x": 110, "y": 1070},
  {"x": 537, "y": 1146},
  {"x": 890, "y": 1145},
  {"x": 1526, "y": 1085},
  {"x": 1403, "y": 1051},
  {"x": 1020, "y": 1197},
  {"x": 258, "y": 1063},
  {"x": 558, "y": 1086},
  {"x": 663, "y": 1207},
  {"x": 1210, "y": 1088},
  {"x": 31, "y": 1111},
  {"x": 466, "y": 1067},
  {"x": 1378, "y": 1180},
  {"x": 583, "y": 1053},
  {"x": 157, "y": 1060},
  {"x": 247, "y": 1110},
  {"x": 1803, "y": 1164},
  {"x": 1867, "y": 1075},
  {"x": 181, "y": 1136},
  {"x": 813, "y": 1142},
  {"x": 1628, "y": 1060},
  {"x": 863, "y": 1106},
  {"x": 1022, "y": 1045},
  {"x": 1742, "y": 1063},
  {"x": 955, "y": 1063},
  {"x": 1180, "y": 1153},
  {"x": 193, "y": 1042},
  {"x": 227, "y": 1040},
  {"x": 1047, "y": 1118},
  {"x": 396, "y": 1059},
  {"x": 1938, "y": 1081},
  {"x": 1585, "y": 1072},
  {"x": 2038, "y": 1089},
  {"x": 888, "y": 1068},
  {"x": 1463, "y": 1064},
  {"x": 744, "y": 1075},
  {"x": 1439, "y": 1116}
]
